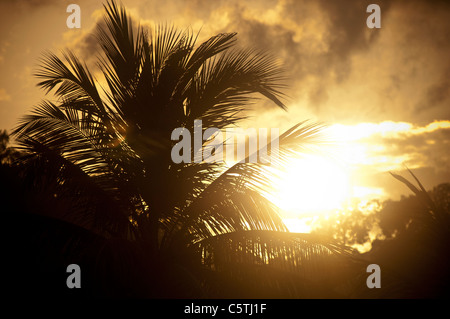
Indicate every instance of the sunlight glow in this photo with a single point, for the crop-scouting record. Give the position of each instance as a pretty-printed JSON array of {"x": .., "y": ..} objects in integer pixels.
[
  {"x": 367, "y": 192},
  {"x": 321, "y": 184},
  {"x": 312, "y": 184},
  {"x": 298, "y": 225}
]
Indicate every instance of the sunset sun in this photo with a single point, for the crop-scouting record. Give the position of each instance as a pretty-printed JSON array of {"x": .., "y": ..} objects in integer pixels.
[{"x": 313, "y": 184}]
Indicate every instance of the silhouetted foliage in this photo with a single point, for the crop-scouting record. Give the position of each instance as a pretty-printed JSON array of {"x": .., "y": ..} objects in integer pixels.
[
  {"x": 412, "y": 241},
  {"x": 388, "y": 219},
  {"x": 352, "y": 225},
  {"x": 7, "y": 153}
]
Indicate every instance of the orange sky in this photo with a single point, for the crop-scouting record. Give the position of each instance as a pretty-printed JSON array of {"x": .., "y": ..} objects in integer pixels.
[{"x": 384, "y": 92}]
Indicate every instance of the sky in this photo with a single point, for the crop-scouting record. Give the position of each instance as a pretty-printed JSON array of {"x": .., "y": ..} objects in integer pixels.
[{"x": 384, "y": 93}]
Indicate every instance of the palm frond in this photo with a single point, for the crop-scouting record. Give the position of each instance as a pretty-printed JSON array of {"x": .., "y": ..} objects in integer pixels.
[
  {"x": 74, "y": 80},
  {"x": 435, "y": 218},
  {"x": 233, "y": 200},
  {"x": 222, "y": 87},
  {"x": 77, "y": 197},
  {"x": 271, "y": 264},
  {"x": 122, "y": 49}
]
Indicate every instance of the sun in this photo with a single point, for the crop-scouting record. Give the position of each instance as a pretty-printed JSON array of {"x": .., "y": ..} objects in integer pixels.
[{"x": 311, "y": 185}]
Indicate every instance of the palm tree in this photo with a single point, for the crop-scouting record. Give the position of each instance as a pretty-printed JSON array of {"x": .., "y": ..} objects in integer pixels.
[{"x": 105, "y": 157}]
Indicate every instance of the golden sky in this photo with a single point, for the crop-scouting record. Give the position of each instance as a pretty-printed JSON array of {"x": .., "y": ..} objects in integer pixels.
[{"x": 384, "y": 92}]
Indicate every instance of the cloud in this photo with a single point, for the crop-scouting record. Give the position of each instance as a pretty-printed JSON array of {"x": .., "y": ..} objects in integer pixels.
[
  {"x": 83, "y": 42},
  {"x": 372, "y": 150},
  {"x": 436, "y": 98},
  {"x": 344, "y": 72},
  {"x": 422, "y": 147},
  {"x": 392, "y": 145},
  {"x": 316, "y": 40},
  {"x": 338, "y": 69}
]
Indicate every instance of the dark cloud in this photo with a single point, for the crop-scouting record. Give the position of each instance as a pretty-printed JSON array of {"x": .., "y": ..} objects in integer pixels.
[
  {"x": 436, "y": 99},
  {"x": 313, "y": 38},
  {"x": 347, "y": 25},
  {"x": 321, "y": 52},
  {"x": 318, "y": 42},
  {"x": 425, "y": 29}
]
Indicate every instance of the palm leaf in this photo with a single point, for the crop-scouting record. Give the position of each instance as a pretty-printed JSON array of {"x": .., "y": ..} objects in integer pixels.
[
  {"x": 435, "y": 217},
  {"x": 270, "y": 264},
  {"x": 233, "y": 200}
]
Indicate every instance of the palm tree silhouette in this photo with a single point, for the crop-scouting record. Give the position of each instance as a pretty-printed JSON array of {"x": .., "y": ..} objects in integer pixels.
[{"x": 188, "y": 229}]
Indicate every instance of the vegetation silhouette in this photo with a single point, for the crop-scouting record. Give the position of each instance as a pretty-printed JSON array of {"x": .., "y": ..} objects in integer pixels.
[
  {"x": 412, "y": 241},
  {"x": 8, "y": 154},
  {"x": 95, "y": 184},
  {"x": 420, "y": 252}
]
